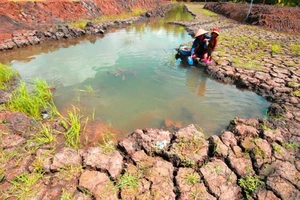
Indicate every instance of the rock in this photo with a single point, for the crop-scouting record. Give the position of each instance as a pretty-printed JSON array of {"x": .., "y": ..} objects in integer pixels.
[
  {"x": 17, "y": 168},
  {"x": 9, "y": 141},
  {"x": 4, "y": 96},
  {"x": 131, "y": 191},
  {"x": 276, "y": 110},
  {"x": 66, "y": 157},
  {"x": 228, "y": 139},
  {"x": 189, "y": 148},
  {"x": 282, "y": 188},
  {"x": 271, "y": 135},
  {"x": 191, "y": 186},
  {"x": 53, "y": 193},
  {"x": 221, "y": 181},
  {"x": 97, "y": 159},
  {"x": 264, "y": 194},
  {"x": 219, "y": 149},
  {"x": 244, "y": 130},
  {"x": 19, "y": 123},
  {"x": 159, "y": 172},
  {"x": 98, "y": 184},
  {"x": 240, "y": 162},
  {"x": 146, "y": 139}
]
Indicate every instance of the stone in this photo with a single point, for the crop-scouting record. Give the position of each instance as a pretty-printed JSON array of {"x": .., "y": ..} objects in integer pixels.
[
  {"x": 98, "y": 184},
  {"x": 9, "y": 141},
  {"x": 219, "y": 148},
  {"x": 191, "y": 186},
  {"x": 240, "y": 162},
  {"x": 159, "y": 172},
  {"x": 264, "y": 194},
  {"x": 221, "y": 181},
  {"x": 19, "y": 123},
  {"x": 228, "y": 139},
  {"x": 97, "y": 159},
  {"x": 4, "y": 96},
  {"x": 66, "y": 157},
  {"x": 189, "y": 148},
  {"x": 282, "y": 188}
]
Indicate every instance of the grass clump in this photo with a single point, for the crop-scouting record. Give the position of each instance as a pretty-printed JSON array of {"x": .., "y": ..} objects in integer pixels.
[
  {"x": 108, "y": 145},
  {"x": 295, "y": 49},
  {"x": 45, "y": 136},
  {"x": 66, "y": 196},
  {"x": 128, "y": 181},
  {"x": 79, "y": 24},
  {"x": 73, "y": 126},
  {"x": 250, "y": 184},
  {"x": 192, "y": 178},
  {"x": 32, "y": 103},
  {"x": 6, "y": 74},
  {"x": 276, "y": 48},
  {"x": 23, "y": 186}
]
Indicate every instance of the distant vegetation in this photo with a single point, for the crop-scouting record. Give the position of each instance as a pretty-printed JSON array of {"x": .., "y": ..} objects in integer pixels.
[{"x": 269, "y": 2}]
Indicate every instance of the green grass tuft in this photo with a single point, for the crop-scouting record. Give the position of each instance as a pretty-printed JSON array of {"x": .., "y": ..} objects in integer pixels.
[
  {"x": 73, "y": 126},
  {"x": 32, "y": 103},
  {"x": 250, "y": 184},
  {"x": 128, "y": 181},
  {"x": 6, "y": 74},
  {"x": 45, "y": 136}
]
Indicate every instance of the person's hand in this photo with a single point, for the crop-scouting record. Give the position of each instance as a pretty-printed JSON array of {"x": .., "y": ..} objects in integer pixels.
[{"x": 193, "y": 55}]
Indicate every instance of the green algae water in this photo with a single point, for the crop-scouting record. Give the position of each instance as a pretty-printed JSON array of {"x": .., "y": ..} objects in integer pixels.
[{"x": 130, "y": 79}]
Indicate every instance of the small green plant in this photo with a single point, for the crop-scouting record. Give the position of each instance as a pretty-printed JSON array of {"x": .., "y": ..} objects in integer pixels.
[
  {"x": 275, "y": 48},
  {"x": 45, "y": 136},
  {"x": 32, "y": 103},
  {"x": 108, "y": 146},
  {"x": 128, "y": 181},
  {"x": 2, "y": 175},
  {"x": 209, "y": 13},
  {"x": 6, "y": 74},
  {"x": 192, "y": 178},
  {"x": 295, "y": 49},
  {"x": 66, "y": 196},
  {"x": 259, "y": 152},
  {"x": 250, "y": 184},
  {"x": 296, "y": 93},
  {"x": 73, "y": 126},
  {"x": 277, "y": 148},
  {"x": 23, "y": 186},
  {"x": 290, "y": 145}
]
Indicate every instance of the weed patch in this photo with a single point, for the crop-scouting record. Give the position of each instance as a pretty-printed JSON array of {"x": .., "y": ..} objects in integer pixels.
[
  {"x": 32, "y": 103},
  {"x": 6, "y": 74},
  {"x": 250, "y": 184}
]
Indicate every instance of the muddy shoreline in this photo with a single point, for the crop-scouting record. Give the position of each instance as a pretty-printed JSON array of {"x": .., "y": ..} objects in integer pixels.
[{"x": 184, "y": 163}]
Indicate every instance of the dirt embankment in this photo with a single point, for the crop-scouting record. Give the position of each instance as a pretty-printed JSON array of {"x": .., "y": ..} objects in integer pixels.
[
  {"x": 286, "y": 19},
  {"x": 16, "y": 16}
]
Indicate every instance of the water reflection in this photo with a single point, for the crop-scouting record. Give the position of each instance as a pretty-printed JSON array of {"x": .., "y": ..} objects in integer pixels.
[{"x": 196, "y": 80}]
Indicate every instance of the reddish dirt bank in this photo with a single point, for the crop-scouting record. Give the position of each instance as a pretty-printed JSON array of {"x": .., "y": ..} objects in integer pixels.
[
  {"x": 286, "y": 19},
  {"x": 40, "y": 15}
]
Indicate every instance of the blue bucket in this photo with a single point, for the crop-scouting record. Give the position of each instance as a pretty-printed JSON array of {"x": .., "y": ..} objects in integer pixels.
[
  {"x": 190, "y": 60},
  {"x": 185, "y": 50}
]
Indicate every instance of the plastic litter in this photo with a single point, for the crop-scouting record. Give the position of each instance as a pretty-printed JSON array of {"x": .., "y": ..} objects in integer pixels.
[{"x": 161, "y": 144}]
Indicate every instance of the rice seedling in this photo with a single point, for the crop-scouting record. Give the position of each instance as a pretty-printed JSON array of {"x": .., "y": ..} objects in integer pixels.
[
  {"x": 295, "y": 49},
  {"x": 32, "y": 103},
  {"x": 275, "y": 48},
  {"x": 6, "y": 74},
  {"x": 73, "y": 126},
  {"x": 78, "y": 24}
]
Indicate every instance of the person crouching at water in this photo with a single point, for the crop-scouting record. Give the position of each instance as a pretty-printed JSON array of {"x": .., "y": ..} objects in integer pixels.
[
  {"x": 212, "y": 45},
  {"x": 200, "y": 44}
]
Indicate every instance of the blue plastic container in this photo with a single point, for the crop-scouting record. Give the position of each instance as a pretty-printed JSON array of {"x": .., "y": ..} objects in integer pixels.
[{"x": 185, "y": 50}]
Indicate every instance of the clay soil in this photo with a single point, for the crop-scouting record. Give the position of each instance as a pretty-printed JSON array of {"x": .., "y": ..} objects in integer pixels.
[{"x": 283, "y": 19}]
